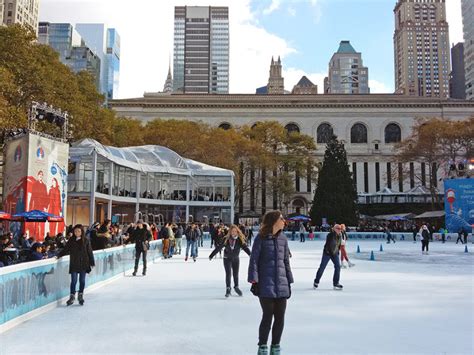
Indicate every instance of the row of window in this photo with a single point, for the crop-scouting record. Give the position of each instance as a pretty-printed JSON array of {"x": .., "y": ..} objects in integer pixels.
[{"x": 324, "y": 132}]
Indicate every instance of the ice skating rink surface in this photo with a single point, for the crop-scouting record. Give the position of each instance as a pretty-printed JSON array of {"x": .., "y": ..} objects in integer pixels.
[{"x": 401, "y": 303}]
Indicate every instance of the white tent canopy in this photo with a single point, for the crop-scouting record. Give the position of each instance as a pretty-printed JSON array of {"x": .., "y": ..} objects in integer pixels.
[
  {"x": 147, "y": 158},
  {"x": 431, "y": 214}
]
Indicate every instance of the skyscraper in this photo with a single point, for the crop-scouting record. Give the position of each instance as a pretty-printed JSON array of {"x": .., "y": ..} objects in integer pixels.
[
  {"x": 201, "y": 49},
  {"x": 421, "y": 43},
  {"x": 24, "y": 12},
  {"x": 72, "y": 50},
  {"x": 106, "y": 44},
  {"x": 347, "y": 74},
  {"x": 1, "y": 13},
  {"x": 457, "y": 85},
  {"x": 113, "y": 63},
  {"x": 168, "y": 88},
  {"x": 276, "y": 83},
  {"x": 468, "y": 25}
]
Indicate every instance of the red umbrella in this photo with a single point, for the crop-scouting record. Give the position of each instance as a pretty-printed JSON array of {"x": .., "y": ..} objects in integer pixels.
[{"x": 4, "y": 215}]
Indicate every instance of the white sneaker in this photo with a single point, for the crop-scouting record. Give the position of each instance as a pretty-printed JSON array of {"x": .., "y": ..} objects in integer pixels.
[{"x": 343, "y": 266}]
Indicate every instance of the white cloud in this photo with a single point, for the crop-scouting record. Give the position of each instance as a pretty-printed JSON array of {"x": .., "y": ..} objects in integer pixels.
[
  {"x": 291, "y": 11},
  {"x": 275, "y": 5},
  {"x": 454, "y": 17},
  {"x": 377, "y": 87},
  {"x": 146, "y": 31}
]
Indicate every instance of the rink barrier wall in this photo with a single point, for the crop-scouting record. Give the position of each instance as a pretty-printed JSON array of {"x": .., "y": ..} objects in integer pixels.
[
  {"x": 27, "y": 288},
  {"x": 372, "y": 235}
]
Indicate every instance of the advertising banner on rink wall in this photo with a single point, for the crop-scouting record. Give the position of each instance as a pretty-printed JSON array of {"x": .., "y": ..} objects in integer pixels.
[
  {"x": 459, "y": 204},
  {"x": 35, "y": 178}
]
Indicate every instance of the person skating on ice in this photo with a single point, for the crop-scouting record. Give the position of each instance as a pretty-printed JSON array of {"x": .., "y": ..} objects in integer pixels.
[
  {"x": 81, "y": 261},
  {"x": 425, "y": 239},
  {"x": 271, "y": 278},
  {"x": 233, "y": 242},
  {"x": 344, "y": 239},
  {"x": 331, "y": 252},
  {"x": 141, "y": 236}
]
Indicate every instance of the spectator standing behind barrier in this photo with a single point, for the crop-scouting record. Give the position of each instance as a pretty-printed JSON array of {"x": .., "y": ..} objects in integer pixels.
[
  {"x": 81, "y": 261},
  {"x": 425, "y": 239},
  {"x": 331, "y": 252},
  {"x": 344, "y": 239},
  {"x": 234, "y": 241},
  {"x": 141, "y": 236},
  {"x": 271, "y": 278},
  {"x": 302, "y": 232}
]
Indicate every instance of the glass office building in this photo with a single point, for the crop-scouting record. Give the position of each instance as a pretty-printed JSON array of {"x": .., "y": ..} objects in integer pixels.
[
  {"x": 113, "y": 62},
  {"x": 149, "y": 182},
  {"x": 201, "y": 50}
]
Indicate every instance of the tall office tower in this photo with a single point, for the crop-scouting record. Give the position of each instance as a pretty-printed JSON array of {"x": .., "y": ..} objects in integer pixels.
[
  {"x": 457, "y": 80},
  {"x": 421, "y": 43},
  {"x": 347, "y": 74},
  {"x": 101, "y": 42},
  {"x": 276, "y": 84},
  {"x": 468, "y": 25},
  {"x": 113, "y": 63},
  {"x": 168, "y": 88},
  {"x": 72, "y": 50},
  {"x": 201, "y": 49},
  {"x": 24, "y": 12}
]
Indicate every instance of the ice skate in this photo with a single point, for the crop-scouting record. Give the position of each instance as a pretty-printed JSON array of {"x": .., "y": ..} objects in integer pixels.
[
  {"x": 238, "y": 291},
  {"x": 275, "y": 349},
  {"x": 262, "y": 350},
  {"x": 71, "y": 299},
  {"x": 351, "y": 264},
  {"x": 343, "y": 266},
  {"x": 315, "y": 284},
  {"x": 227, "y": 292},
  {"x": 80, "y": 297},
  {"x": 338, "y": 287}
]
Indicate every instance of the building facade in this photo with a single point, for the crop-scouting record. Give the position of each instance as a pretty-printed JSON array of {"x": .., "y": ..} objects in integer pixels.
[
  {"x": 168, "y": 87},
  {"x": 72, "y": 50},
  {"x": 347, "y": 74},
  {"x": 105, "y": 43},
  {"x": 276, "y": 83},
  {"x": 369, "y": 125},
  {"x": 421, "y": 44},
  {"x": 24, "y": 12},
  {"x": 113, "y": 63},
  {"x": 1, "y": 13},
  {"x": 468, "y": 26},
  {"x": 305, "y": 87},
  {"x": 457, "y": 81},
  {"x": 201, "y": 50}
]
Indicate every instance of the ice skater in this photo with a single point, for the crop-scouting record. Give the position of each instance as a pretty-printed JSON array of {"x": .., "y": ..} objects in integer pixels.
[
  {"x": 425, "y": 239},
  {"x": 141, "y": 236},
  {"x": 331, "y": 252},
  {"x": 344, "y": 239},
  {"x": 389, "y": 235},
  {"x": 234, "y": 241},
  {"x": 81, "y": 261},
  {"x": 460, "y": 233},
  {"x": 271, "y": 278}
]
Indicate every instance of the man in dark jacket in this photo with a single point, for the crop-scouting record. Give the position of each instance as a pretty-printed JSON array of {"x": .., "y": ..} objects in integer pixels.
[
  {"x": 331, "y": 252},
  {"x": 141, "y": 236}
]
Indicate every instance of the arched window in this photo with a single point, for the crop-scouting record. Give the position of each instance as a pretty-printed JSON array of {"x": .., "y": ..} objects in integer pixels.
[
  {"x": 225, "y": 126},
  {"x": 291, "y": 127},
  {"x": 324, "y": 133},
  {"x": 358, "y": 133},
  {"x": 393, "y": 133}
]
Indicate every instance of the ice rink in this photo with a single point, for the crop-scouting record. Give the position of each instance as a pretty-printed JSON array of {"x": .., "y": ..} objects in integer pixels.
[{"x": 401, "y": 303}]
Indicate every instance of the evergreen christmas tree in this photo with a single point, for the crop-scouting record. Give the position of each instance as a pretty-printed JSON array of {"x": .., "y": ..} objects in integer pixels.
[{"x": 335, "y": 196}]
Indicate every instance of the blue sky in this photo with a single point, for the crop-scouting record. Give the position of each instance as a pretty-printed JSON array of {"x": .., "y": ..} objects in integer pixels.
[{"x": 304, "y": 32}]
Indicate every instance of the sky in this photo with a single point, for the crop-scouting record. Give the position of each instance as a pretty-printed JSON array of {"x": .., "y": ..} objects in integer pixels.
[{"x": 305, "y": 33}]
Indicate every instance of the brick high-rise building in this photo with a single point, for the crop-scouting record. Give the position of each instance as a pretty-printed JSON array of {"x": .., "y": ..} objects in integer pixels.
[
  {"x": 421, "y": 43},
  {"x": 24, "y": 12},
  {"x": 201, "y": 50}
]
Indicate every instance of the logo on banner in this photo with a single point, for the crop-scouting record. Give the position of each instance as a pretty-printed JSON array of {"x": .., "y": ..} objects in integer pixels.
[
  {"x": 40, "y": 153},
  {"x": 17, "y": 156}
]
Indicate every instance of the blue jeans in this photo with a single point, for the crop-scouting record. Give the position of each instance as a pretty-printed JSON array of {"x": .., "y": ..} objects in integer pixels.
[
  {"x": 337, "y": 268},
  {"x": 82, "y": 281},
  {"x": 193, "y": 245}
]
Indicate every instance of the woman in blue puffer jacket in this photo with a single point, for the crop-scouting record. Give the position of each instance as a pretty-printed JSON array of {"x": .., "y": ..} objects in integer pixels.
[{"x": 271, "y": 278}]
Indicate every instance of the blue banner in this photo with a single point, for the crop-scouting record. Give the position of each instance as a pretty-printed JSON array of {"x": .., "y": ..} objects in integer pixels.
[{"x": 459, "y": 204}]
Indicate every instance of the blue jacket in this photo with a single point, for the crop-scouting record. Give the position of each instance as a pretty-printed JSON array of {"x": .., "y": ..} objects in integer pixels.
[{"x": 270, "y": 266}]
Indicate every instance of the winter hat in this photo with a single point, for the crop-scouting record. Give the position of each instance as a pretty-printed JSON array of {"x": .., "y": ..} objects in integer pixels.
[{"x": 140, "y": 221}]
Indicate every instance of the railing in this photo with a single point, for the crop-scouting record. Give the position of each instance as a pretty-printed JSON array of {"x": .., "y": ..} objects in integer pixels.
[{"x": 31, "y": 285}]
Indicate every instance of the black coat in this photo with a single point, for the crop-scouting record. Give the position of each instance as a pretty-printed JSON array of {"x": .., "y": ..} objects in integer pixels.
[
  {"x": 333, "y": 243},
  {"x": 81, "y": 257},
  {"x": 141, "y": 237},
  {"x": 230, "y": 253}
]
